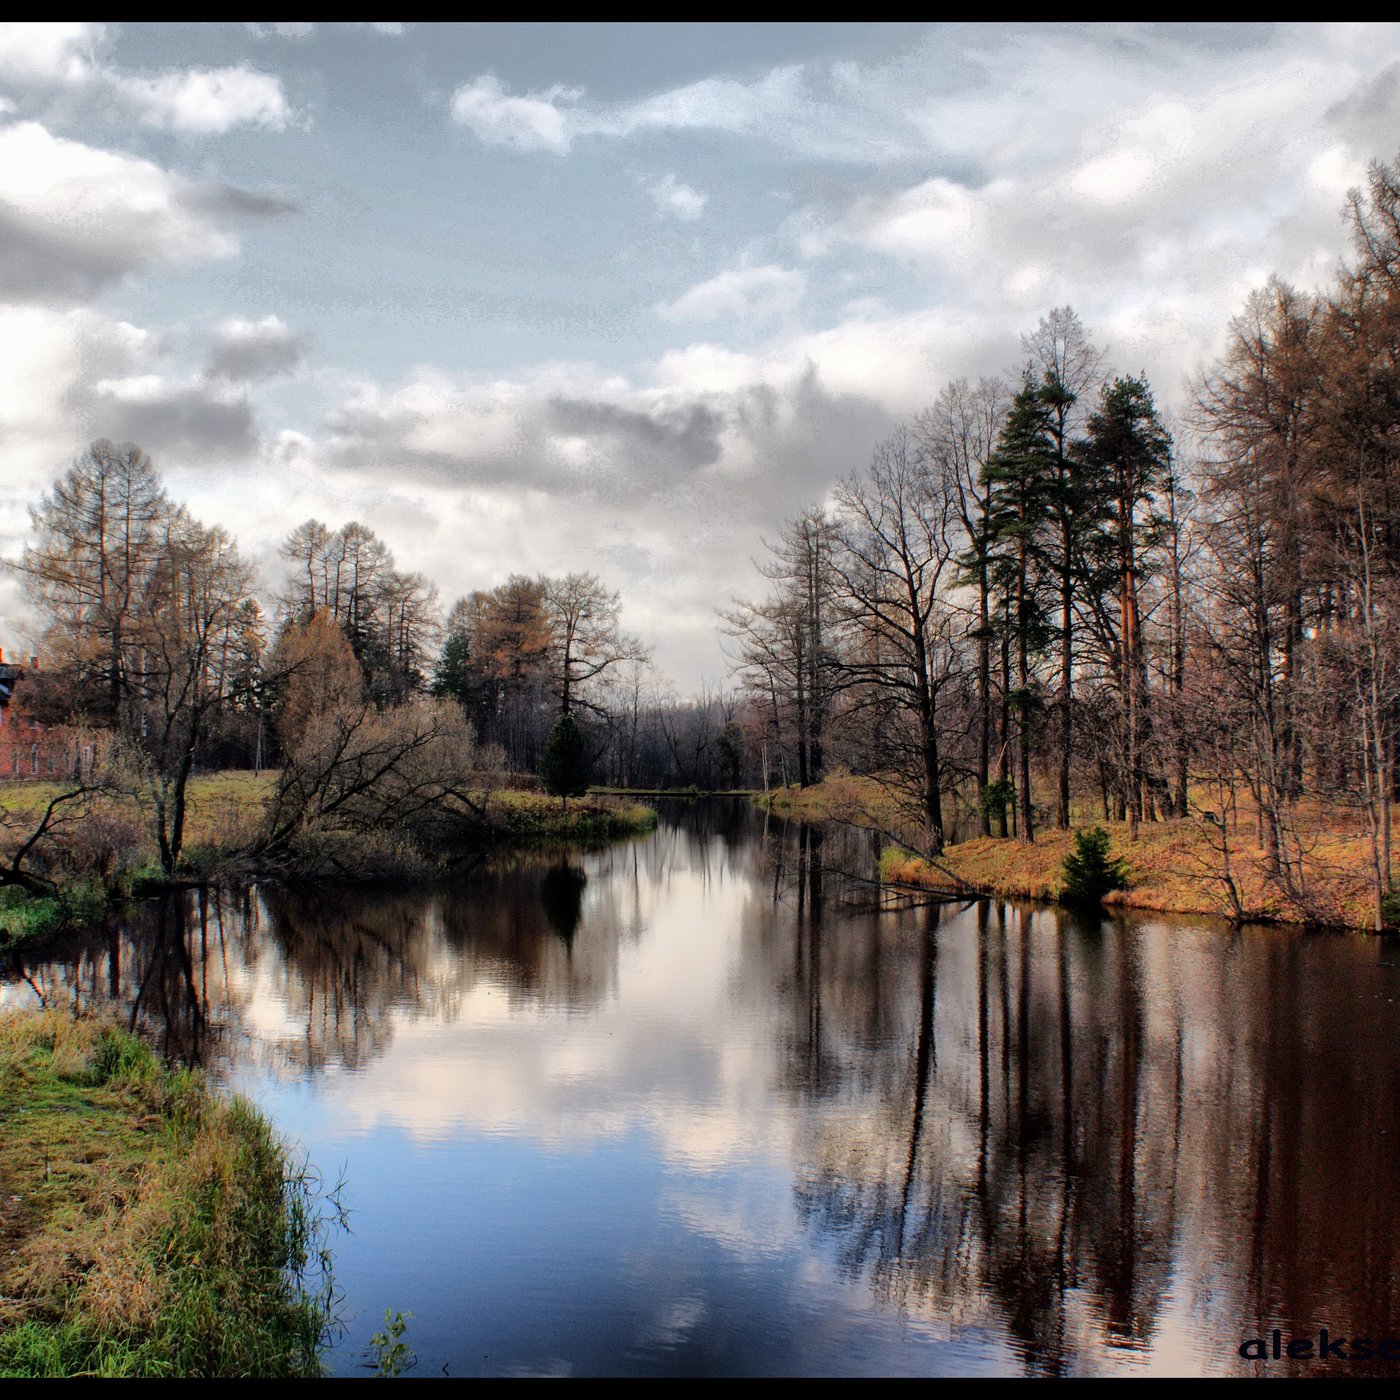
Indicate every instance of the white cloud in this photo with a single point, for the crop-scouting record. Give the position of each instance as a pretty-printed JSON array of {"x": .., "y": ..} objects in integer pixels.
[
  {"x": 286, "y": 29},
  {"x": 672, "y": 197},
  {"x": 743, "y": 293},
  {"x": 1153, "y": 215},
  {"x": 70, "y": 375},
  {"x": 713, "y": 104},
  {"x": 49, "y": 52},
  {"x": 75, "y": 218},
  {"x": 535, "y": 122},
  {"x": 304, "y": 29},
  {"x": 207, "y": 100},
  {"x": 554, "y": 119},
  {"x": 201, "y": 101}
]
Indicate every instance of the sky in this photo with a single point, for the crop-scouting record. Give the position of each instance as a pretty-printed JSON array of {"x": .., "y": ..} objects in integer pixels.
[{"x": 620, "y": 298}]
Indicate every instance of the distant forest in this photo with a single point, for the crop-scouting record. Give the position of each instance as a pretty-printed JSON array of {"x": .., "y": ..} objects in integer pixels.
[{"x": 1034, "y": 605}]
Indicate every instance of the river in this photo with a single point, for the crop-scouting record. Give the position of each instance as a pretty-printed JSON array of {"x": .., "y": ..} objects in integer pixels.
[{"x": 696, "y": 1104}]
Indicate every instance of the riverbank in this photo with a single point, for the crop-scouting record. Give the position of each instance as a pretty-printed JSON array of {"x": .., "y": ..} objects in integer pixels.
[
  {"x": 1187, "y": 866},
  {"x": 147, "y": 1227},
  {"x": 113, "y": 857}
]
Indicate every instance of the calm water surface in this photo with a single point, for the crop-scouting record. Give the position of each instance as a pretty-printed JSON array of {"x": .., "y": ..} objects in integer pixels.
[{"x": 691, "y": 1104}]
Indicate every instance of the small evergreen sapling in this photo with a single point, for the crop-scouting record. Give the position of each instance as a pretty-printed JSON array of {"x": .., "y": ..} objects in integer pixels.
[{"x": 1089, "y": 872}]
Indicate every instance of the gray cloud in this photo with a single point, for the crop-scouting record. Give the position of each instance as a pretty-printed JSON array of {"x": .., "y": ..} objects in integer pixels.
[
  {"x": 39, "y": 262},
  {"x": 250, "y": 350},
  {"x": 184, "y": 425},
  {"x": 1370, "y": 117},
  {"x": 667, "y": 439},
  {"x": 224, "y": 199}
]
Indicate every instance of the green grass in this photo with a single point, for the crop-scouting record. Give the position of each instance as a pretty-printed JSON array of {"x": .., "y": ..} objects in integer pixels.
[
  {"x": 24, "y": 915},
  {"x": 148, "y": 1227}
]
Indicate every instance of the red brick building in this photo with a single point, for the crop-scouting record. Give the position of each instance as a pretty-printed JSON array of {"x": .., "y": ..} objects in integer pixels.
[{"x": 27, "y": 749}]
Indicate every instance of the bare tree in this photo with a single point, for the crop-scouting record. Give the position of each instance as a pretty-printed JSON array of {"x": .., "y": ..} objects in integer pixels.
[
  {"x": 100, "y": 531},
  {"x": 899, "y": 538},
  {"x": 178, "y": 677},
  {"x": 586, "y": 636},
  {"x": 960, "y": 433}
]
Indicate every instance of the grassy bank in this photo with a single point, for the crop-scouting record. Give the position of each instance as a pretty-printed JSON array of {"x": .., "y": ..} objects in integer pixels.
[
  {"x": 116, "y": 857},
  {"x": 691, "y": 791},
  {"x": 147, "y": 1227},
  {"x": 1174, "y": 867},
  {"x": 28, "y": 916},
  {"x": 533, "y": 816}
]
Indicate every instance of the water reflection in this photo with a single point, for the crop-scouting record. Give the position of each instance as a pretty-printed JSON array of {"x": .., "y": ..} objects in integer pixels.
[
  {"x": 561, "y": 893},
  {"x": 799, "y": 1131}
]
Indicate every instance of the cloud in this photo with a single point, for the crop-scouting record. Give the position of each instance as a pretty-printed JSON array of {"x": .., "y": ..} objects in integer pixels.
[
  {"x": 664, "y": 439},
  {"x": 207, "y": 100},
  {"x": 180, "y": 423},
  {"x": 225, "y": 199},
  {"x": 974, "y": 103},
  {"x": 742, "y": 293},
  {"x": 535, "y": 122},
  {"x": 554, "y": 119},
  {"x": 284, "y": 30},
  {"x": 304, "y": 29},
  {"x": 75, "y": 219},
  {"x": 251, "y": 350},
  {"x": 68, "y": 375},
  {"x": 49, "y": 52},
  {"x": 199, "y": 101},
  {"x": 680, "y": 201},
  {"x": 1154, "y": 215},
  {"x": 665, "y": 480}
]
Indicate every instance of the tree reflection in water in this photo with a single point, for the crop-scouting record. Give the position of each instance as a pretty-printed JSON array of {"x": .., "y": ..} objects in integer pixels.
[{"x": 561, "y": 893}]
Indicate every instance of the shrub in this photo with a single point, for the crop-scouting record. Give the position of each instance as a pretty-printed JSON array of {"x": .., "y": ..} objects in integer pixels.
[
  {"x": 1390, "y": 909},
  {"x": 996, "y": 797},
  {"x": 1089, "y": 871}
]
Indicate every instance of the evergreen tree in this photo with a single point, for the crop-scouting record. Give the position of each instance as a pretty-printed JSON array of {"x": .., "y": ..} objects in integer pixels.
[
  {"x": 1128, "y": 454},
  {"x": 564, "y": 765},
  {"x": 1021, "y": 479},
  {"x": 452, "y": 676},
  {"x": 1089, "y": 871}
]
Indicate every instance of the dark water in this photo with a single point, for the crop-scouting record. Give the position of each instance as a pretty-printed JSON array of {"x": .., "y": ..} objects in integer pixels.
[{"x": 692, "y": 1105}]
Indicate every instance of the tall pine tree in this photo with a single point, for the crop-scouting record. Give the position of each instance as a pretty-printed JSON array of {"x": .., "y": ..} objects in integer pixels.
[
  {"x": 1021, "y": 479},
  {"x": 1128, "y": 452}
]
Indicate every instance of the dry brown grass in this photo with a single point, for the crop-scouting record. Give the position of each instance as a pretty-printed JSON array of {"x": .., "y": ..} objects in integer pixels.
[
  {"x": 1174, "y": 867},
  {"x": 144, "y": 1228}
]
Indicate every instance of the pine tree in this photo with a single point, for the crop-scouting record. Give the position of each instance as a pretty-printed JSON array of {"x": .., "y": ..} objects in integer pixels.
[
  {"x": 564, "y": 765},
  {"x": 1128, "y": 455},
  {"x": 1021, "y": 480},
  {"x": 1089, "y": 872},
  {"x": 452, "y": 676}
]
